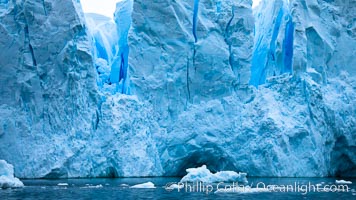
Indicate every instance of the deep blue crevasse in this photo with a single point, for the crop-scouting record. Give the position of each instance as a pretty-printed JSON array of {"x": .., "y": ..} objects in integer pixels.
[
  {"x": 265, "y": 53},
  {"x": 195, "y": 19},
  {"x": 119, "y": 67},
  {"x": 288, "y": 46},
  {"x": 263, "y": 57}
]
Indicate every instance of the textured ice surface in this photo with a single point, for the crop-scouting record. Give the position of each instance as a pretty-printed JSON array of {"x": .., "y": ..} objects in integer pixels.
[
  {"x": 274, "y": 32},
  {"x": 105, "y": 40},
  {"x": 148, "y": 185},
  {"x": 7, "y": 179},
  {"x": 119, "y": 68},
  {"x": 105, "y": 36},
  {"x": 192, "y": 77},
  {"x": 202, "y": 174},
  {"x": 111, "y": 47},
  {"x": 49, "y": 100},
  {"x": 296, "y": 124}
]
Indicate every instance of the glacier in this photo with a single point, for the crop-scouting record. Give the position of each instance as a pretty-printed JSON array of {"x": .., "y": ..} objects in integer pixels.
[{"x": 171, "y": 85}]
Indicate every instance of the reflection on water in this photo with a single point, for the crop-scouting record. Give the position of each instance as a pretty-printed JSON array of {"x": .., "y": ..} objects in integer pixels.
[{"x": 120, "y": 189}]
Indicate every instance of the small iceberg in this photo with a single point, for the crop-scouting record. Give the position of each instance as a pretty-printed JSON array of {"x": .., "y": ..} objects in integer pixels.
[
  {"x": 173, "y": 187},
  {"x": 93, "y": 186},
  {"x": 62, "y": 184},
  {"x": 204, "y": 175},
  {"x": 124, "y": 185},
  {"x": 343, "y": 182},
  {"x": 7, "y": 178},
  {"x": 148, "y": 185}
]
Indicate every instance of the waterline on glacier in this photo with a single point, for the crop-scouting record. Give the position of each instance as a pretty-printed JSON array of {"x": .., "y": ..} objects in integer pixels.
[{"x": 115, "y": 188}]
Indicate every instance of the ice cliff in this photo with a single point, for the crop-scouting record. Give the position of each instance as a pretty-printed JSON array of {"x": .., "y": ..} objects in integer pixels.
[
  {"x": 49, "y": 102},
  {"x": 170, "y": 85}
]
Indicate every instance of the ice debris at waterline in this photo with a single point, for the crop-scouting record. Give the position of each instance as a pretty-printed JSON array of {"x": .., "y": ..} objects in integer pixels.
[
  {"x": 124, "y": 185},
  {"x": 62, "y": 184},
  {"x": 174, "y": 186},
  {"x": 92, "y": 186},
  {"x": 192, "y": 74},
  {"x": 7, "y": 179},
  {"x": 202, "y": 174},
  {"x": 148, "y": 185},
  {"x": 343, "y": 182}
]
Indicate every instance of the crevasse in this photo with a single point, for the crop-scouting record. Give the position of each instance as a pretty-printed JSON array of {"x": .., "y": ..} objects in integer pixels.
[
  {"x": 195, "y": 19},
  {"x": 288, "y": 46},
  {"x": 111, "y": 47},
  {"x": 272, "y": 29},
  {"x": 119, "y": 68}
]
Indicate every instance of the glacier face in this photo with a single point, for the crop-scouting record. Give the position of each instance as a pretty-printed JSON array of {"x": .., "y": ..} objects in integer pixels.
[
  {"x": 191, "y": 68},
  {"x": 291, "y": 125},
  {"x": 48, "y": 95}
]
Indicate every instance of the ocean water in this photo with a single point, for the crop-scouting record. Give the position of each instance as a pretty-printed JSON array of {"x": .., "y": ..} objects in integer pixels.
[{"x": 119, "y": 189}]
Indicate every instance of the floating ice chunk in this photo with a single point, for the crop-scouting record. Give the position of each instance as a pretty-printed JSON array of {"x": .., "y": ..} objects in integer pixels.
[
  {"x": 204, "y": 175},
  {"x": 148, "y": 185},
  {"x": 7, "y": 179},
  {"x": 62, "y": 184},
  {"x": 174, "y": 186},
  {"x": 124, "y": 185},
  {"x": 93, "y": 186},
  {"x": 343, "y": 182},
  {"x": 96, "y": 186},
  {"x": 230, "y": 176},
  {"x": 10, "y": 182}
]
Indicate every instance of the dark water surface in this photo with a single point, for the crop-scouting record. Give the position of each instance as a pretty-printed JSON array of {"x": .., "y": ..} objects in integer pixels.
[{"x": 114, "y": 189}]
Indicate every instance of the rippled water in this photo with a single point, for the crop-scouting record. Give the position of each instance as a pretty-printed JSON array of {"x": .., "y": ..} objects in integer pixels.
[{"x": 118, "y": 189}]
